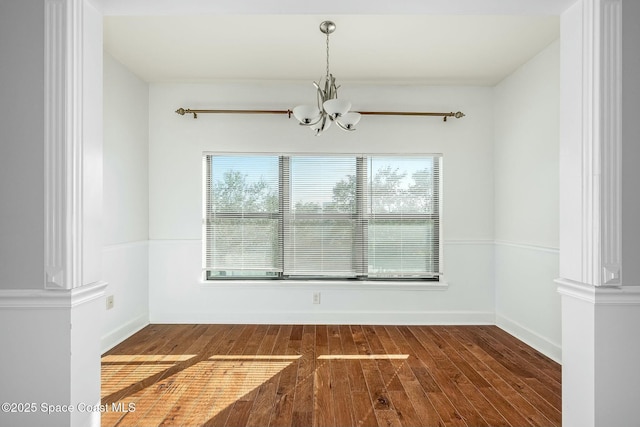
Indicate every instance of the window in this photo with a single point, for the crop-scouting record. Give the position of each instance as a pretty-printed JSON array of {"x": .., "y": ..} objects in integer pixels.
[{"x": 343, "y": 216}]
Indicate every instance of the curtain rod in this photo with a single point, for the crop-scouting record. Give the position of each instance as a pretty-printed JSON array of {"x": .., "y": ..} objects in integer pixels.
[{"x": 183, "y": 111}]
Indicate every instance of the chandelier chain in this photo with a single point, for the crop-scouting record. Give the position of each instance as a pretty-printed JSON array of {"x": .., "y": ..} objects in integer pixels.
[{"x": 327, "y": 56}]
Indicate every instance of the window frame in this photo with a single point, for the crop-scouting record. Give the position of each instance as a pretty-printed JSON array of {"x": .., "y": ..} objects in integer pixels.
[{"x": 361, "y": 218}]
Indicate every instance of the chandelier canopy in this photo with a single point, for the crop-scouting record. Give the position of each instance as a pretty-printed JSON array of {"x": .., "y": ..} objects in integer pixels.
[{"x": 328, "y": 108}]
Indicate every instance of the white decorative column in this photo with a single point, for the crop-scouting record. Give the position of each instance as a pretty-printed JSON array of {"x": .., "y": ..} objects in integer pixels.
[
  {"x": 52, "y": 322},
  {"x": 600, "y": 300},
  {"x": 73, "y": 143},
  {"x": 73, "y": 186}
]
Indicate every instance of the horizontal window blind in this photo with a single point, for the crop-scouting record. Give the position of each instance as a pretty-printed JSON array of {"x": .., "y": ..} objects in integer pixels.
[
  {"x": 403, "y": 217},
  {"x": 242, "y": 218},
  {"x": 319, "y": 223},
  {"x": 322, "y": 216}
]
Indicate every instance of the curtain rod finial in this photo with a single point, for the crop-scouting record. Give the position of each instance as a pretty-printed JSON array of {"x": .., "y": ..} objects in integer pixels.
[{"x": 182, "y": 112}]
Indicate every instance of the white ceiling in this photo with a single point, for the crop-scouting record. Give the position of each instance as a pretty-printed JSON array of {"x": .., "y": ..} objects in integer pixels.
[
  {"x": 416, "y": 49},
  {"x": 334, "y": 7}
]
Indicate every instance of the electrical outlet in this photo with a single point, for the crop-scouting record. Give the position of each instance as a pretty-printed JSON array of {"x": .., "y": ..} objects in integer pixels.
[
  {"x": 316, "y": 297},
  {"x": 109, "y": 302}
]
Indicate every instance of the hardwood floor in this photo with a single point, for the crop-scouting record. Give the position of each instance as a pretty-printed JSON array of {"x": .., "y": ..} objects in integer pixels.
[{"x": 328, "y": 375}]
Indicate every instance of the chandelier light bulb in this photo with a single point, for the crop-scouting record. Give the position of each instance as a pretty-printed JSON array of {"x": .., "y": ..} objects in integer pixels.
[
  {"x": 349, "y": 120},
  {"x": 306, "y": 114},
  {"x": 336, "y": 107}
]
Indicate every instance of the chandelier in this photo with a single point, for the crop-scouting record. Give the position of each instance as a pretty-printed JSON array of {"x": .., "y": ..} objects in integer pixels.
[{"x": 328, "y": 108}]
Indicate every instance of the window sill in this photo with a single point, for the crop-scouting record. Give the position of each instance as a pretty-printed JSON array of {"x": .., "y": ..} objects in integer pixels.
[{"x": 348, "y": 285}]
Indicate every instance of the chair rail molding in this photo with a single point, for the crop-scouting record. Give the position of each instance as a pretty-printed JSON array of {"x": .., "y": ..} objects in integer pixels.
[
  {"x": 601, "y": 295},
  {"x": 46, "y": 299},
  {"x": 63, "y": 143}
]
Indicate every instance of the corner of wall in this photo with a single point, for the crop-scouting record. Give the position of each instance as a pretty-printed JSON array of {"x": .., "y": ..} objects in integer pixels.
[{"x": 126, "y": 202}]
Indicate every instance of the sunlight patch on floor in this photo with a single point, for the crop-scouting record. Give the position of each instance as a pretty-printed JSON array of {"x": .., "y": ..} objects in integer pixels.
[{"x": 214, "y": 383}]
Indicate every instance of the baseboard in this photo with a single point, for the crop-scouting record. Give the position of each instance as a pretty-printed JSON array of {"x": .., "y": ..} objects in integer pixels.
[
  {"x": 526, "y": 335},
  {"x": 120, "y": 334},
  {"x": 331, "y": 318}
]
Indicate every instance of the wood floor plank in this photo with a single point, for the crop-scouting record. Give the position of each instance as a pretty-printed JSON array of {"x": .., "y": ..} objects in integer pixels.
[
  {"x": 357, "y": 381},
  {"x": 263, "y": 404},
  {"x": 387, "y": 418},
  {"x": 303, "y": 399},
  {"x": 234, "y": 374},
  {"x": 208, "y": 405},
  {"x": 159, "y": 383},
  {"x": 363, "y": 410},
  {"x": 505, "y": 382},
  {"x": 239, "y": 415},
  {"x": 387, "y": 368},
  {"x": 329, "y": 375},
  {"x": 422, "y": 404},
  {"x": 346, "y": 340},
  {"x": 375, "y": 384},
  {"x": 503, "y": 406},
  {"x": 548, "y": 387},
  {"x": 447, "y": 412},
  {"x": 282, "y": 411},
  {"x": 405, "y": 412},
  {"x": 231, "y": 370},
  {"x": 322, "y": 399},
  {"x": 155, "y": 403},
  {"x": 528, "y": 354},
  {"x": 335, "y": 343},
  {"x": 144, "y": 364},
  {"x": 444, "y": 344},
  {"x": 322, "y": 340},
  {"x": 253, "y": 369},
  {"x": 341, "y": 394},
  {"x": 516, "y": 378},
  {"x": 357, "y": 334},
  {"x": 471, "y": 389},
  {"x": 418, "y": 388},
  {"x": 260, "y": 345},
  {"x": 441, "y": 371}
]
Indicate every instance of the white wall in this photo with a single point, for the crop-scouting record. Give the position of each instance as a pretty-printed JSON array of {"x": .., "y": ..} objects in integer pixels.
[
  {"x": 34, "y": 329},
  {"x": 22, "y": 144},
  {"x": 526, "y": 202},
  {"x": 126, "y": 154},
  {"x": 126, "y": 201},
  {"x": 177, "y": 293}
]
